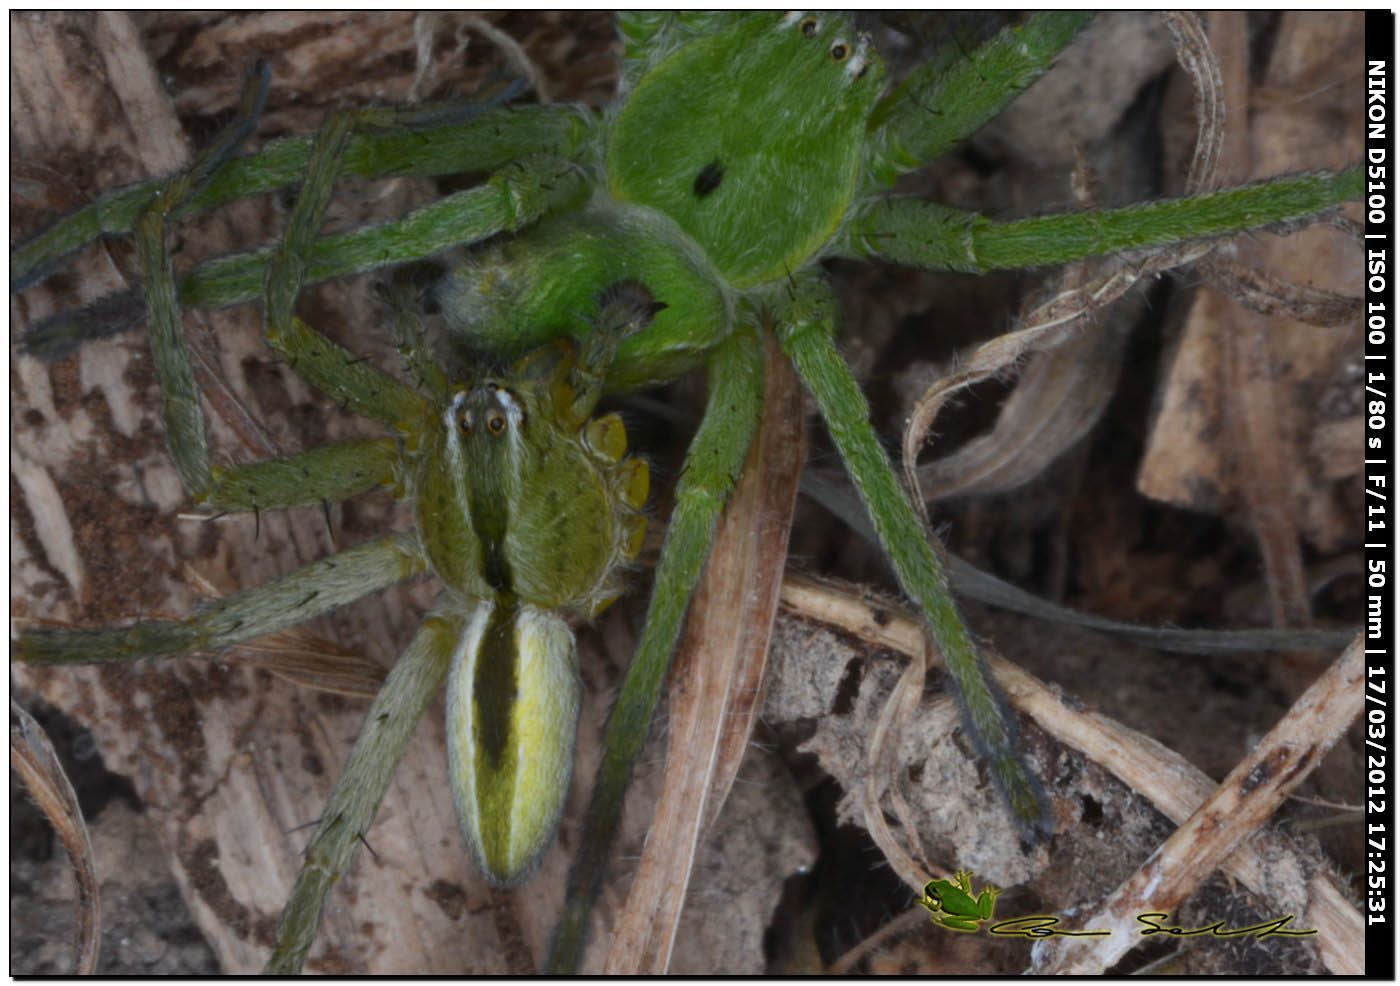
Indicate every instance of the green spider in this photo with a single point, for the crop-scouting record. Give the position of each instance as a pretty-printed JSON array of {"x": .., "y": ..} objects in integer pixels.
[{"x": 692, "y": 207}]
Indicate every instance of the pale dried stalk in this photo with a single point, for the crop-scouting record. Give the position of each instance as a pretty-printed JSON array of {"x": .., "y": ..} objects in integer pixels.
[
  {"x": 901, "y": 705},
  {"x": 1166, "y": 779},
  {"x": 1244, "y": 801},
  {"x": 715, "y": 682},
  {"x": 32, "y": 757},
  {"x": 1197, "y": 57},
  {"x": 1052, "y": 323},
  {"x": 1048, "y": 326},
  {"x": 515, "y": 53},
  {"x": 1272, "y": 297},
  {"x": 1060, "y": 396},
  {"x": 1255, "y": 441}
]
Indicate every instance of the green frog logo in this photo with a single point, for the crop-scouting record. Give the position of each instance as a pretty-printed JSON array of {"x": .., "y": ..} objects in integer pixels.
[{"x": 953, "y": 905}]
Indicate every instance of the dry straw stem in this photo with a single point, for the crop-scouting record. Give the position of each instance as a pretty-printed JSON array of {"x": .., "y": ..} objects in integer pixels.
[
  {"x": 1251, "y": 413},
  {"x": 901, "y": 705},
  {"x": 1054, "y": 323},
  {"x": 1232, "y": 435},
  {"x": 32, "y": 757},
  {"x": 1048, "y": 326},
  {"x": 1266, "y": 864},
  {"x": 1260, "y": 291},
  {"x": 715, "y": 682},
  {"x": 1244, "y": 801}
]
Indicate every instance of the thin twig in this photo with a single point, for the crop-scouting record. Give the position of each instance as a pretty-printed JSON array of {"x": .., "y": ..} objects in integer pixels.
[
  {"x": 1242, "y": 803},
  {"x": 32, "y": 757},
  {"x": 1271, "y": 296},
  {"x": 1268, "y": 864},
  {"x": 515, "y": 53}
]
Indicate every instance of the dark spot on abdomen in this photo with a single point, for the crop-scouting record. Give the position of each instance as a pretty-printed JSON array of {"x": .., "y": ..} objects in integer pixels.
[{"x": 709, "y": 178}]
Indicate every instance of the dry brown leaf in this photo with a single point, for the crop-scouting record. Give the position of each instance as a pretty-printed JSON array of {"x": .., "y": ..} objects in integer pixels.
[
  {"x": 716, "y": 680},
  {"x": 1189, "y": 461}
]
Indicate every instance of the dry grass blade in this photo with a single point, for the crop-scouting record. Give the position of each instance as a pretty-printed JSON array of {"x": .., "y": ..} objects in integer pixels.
[
  {"x": 314, "y": 662},
  {"x": 971, "y": 582},
  {"x": 902, "y": 704},
  {"x": 1247, "y": 425},
  {"x": 1046, "y": 327},
  {"x": 1268, "y": 864},
  {"x": 1058, "y": 399},
  {"x": 32, "y": 757},
  {"x": 714, "y": 684},
  {"x": 302, "y": 657},
  {"x": 1243, "y": 801},
  {"x": 518, "y": 58},
  {"x": 1196, "y": 56},
  {"x": 1261, "y": 292},
  {"x": 1050, "y": 325}
]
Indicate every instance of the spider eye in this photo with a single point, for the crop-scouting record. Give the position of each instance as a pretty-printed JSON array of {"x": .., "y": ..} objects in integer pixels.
[
  {"x": 839, "y": 51},
  {"x": 465, "y": 423},
  {"x": 809, "y": 26},
  {"x": 496, "y": 423}
]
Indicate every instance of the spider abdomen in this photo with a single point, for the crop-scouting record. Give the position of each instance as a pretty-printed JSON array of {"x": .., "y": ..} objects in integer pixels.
[
  {"x": 526, "y": 508},
  {"x": 513, "y": 700}
]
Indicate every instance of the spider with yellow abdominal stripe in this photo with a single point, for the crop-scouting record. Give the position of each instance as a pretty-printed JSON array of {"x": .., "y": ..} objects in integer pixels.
[{"x": 684, "y": 196}]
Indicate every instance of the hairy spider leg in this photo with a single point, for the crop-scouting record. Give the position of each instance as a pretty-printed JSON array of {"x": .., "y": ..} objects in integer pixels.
[
  {"x": 393, "y": 716},
  {"x": 332, "y": 473},
  {"x": 314, "y": 589},
  {"x": 1006, "y": 68},
  {"x": 489, "y": 142},
  {"x": 507, "y": 826},
  {"x": 712, "y": 467},
  {"x": 283, "y": 602},
  {"x": 968, "y": 92},
  {"x": 181, "y": 413},
  {"x": 354, "y": 383},
  {"x": 807, "y": 325},
  {"x": 910, "y": 231}
]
